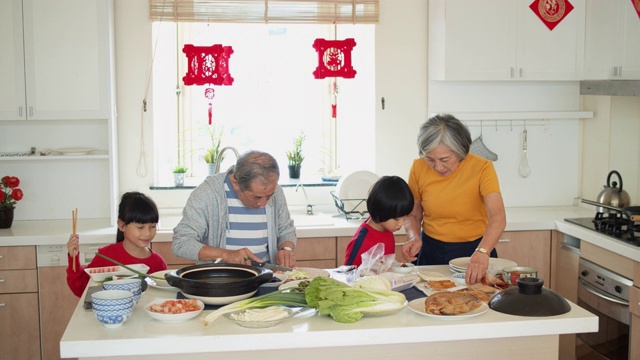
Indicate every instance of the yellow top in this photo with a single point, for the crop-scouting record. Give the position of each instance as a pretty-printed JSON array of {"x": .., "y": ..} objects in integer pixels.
[{"x": 453, "y": 206}]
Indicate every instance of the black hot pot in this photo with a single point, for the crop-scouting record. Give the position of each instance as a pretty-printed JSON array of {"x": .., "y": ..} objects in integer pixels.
[{"x": 221, "y": 280}]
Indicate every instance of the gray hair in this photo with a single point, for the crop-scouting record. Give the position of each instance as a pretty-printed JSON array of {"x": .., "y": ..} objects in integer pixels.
[
  {"x": 256, "y": 165},
  {"x": 447, "y": 130}
]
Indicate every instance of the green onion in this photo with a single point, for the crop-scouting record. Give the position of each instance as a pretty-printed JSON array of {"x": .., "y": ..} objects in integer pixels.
[
  {"x": 128, "y": 268},
  {"x": 278, "y": 297}
]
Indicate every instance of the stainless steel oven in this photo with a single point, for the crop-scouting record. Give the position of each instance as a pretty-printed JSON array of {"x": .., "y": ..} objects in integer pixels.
[{"x": 605, "y": 294}]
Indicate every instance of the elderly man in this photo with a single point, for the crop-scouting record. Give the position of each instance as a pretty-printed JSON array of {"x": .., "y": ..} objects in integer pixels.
[{"x": 238, "y": 216}]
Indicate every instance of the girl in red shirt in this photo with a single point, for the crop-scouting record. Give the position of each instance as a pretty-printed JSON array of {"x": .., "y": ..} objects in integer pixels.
[{"x": 137, "y": 220}]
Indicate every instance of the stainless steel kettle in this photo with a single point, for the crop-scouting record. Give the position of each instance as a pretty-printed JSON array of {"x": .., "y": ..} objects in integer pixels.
[{"x": 611, "y": 195}]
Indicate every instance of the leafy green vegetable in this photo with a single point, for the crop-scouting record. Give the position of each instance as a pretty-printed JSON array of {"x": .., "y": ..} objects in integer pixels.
[
  {"x": 376, "y": 282},
  {"x": 280, "y": 297},
  {"x": 347, "y": 304}
]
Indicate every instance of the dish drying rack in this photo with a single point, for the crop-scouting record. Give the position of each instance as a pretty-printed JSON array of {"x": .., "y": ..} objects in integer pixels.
[{"x": 351, "y": 214}]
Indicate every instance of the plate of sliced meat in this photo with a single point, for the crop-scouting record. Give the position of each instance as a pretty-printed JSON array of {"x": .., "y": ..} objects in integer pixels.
[{"x": 464, "y": 308}]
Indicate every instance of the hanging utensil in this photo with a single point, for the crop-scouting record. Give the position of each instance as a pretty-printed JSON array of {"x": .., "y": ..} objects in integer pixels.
[
  {"x": 479, "y": 148},
  {"x": 524, "y": 170}
]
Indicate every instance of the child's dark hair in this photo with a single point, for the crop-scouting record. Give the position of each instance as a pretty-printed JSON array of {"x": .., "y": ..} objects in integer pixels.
[
  {"x": 389, "y": 198},
  {"x": 136, "y": 207}
]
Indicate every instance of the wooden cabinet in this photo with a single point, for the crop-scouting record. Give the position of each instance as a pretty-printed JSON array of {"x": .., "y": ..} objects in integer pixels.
[
  {"x": 57, "y": 57},
  {"x": 316, "y": 252},
  {"x": 528, "y": 248},
  {"x": 55, "y": 92},
  {"x": 501, "y": 40},
  {"x": 57, "y": 304},
  {"x": 612, "y": 35},
  {"x": 173, "y": 262},
  {"x": 564, "y": 280},
  {"x": 19, "y": 303}
]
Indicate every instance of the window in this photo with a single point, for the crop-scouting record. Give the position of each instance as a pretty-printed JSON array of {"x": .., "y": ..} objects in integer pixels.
[{"x": 274, "y": 97}]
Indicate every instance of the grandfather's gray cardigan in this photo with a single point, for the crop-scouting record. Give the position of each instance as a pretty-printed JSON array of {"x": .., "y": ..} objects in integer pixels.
[{"x": 205, "y": 220}]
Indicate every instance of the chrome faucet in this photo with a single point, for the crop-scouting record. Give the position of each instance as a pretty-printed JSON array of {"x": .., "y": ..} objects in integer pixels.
[
  {"x": 306, "y": 198},
  {"x": 220, "y": 154}
]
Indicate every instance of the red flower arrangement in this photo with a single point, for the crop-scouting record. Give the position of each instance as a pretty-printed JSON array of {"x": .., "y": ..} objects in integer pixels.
[{"x": 9, "y": 192}]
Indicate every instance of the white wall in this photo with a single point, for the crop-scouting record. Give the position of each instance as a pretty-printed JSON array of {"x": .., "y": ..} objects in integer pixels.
[{"x": 401, "y": 78}]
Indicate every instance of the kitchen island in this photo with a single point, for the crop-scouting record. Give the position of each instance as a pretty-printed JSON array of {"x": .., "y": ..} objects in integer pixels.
[{"x": 308, "y": 335}]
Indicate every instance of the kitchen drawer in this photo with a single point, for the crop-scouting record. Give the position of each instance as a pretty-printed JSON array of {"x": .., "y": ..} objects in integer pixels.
[
  {"x": 18, "y": 281},
  {"x": 321, "y": 248},
  {"x": 17, "y": 257},
  {"x": 164, "y": 249}
]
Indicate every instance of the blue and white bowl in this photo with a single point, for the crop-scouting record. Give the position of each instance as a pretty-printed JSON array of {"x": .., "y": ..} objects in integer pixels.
[
  {"x": 133, "y": 285},
  {"x": 126, "y": 306},
  {"x": 112, "y": 319},
  {"x": 112, "y": 297}
]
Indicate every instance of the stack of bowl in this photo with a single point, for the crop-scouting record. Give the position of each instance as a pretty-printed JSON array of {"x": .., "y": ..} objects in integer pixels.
[
  {"x": 112, "y": 307},
  {"x": 133, "y": 285}
]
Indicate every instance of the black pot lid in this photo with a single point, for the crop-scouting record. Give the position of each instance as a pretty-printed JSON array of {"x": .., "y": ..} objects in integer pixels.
[{"x": 529, "y": 298}]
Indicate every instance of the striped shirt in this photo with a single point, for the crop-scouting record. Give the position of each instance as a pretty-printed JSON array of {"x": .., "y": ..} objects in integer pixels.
[{"x": 247, "y": 227}]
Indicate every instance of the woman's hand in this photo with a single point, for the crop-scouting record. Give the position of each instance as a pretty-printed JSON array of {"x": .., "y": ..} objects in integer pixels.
[
  {"x": 73, "y": 245},
  {"x": 411, "y": 248},
  {"x": 477, "y": 268}
]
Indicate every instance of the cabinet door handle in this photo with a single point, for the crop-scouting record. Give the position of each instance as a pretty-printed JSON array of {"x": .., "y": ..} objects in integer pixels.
[
  {"x": 512, "y": 72},
  {"x": 619, "y": 70},
  {"x": 521, "y": 72},
  {"x": 1, "y": 281},
  {"x": 20, "y": 111},
  {"x": 2, "y": 304},
  {"x": 30, "y": 111},
  {"x": 504, "y": 240}
]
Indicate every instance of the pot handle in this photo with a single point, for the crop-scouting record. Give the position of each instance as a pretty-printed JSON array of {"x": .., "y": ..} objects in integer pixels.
[{"x": 619, "y": 178}]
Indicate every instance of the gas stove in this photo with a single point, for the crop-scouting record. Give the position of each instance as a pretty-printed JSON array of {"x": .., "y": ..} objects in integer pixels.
[{"x": 612, "y": 225}]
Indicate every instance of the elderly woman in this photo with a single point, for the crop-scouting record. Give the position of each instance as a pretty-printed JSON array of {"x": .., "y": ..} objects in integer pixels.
[{"x": 457, "y": 200}]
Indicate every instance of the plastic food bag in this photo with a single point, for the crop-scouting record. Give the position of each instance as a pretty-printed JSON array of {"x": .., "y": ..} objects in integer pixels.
[{"x": 375, "y": 262}]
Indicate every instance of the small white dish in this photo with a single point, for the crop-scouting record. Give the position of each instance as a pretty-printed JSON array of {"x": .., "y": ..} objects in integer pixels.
[
  {"x": 98, "y": 274},
  {"x": 236, "y": 317},
  {"x": 458, "y": 278},
  {"x": 177, "y": 317},
  {"x": 403, "y": 268}
]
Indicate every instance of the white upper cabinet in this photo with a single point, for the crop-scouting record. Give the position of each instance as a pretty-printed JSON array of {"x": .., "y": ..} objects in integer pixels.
[
  {"x": 499, "y": 40},
  {"x": 612, "y": 41},
  {"x": 54, "y": 63}
]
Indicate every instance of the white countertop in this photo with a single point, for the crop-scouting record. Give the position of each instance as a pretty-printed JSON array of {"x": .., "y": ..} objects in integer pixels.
[
  {"x": 99, "y": 231},
  {"x": 142, "y": 335}
]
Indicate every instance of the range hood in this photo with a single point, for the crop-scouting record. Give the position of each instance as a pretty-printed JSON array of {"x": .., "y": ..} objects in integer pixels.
[{"x": 610, "y": 87}]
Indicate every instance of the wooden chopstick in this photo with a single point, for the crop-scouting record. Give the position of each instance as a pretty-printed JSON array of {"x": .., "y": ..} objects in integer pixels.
[{"x": 74, "y": 220}]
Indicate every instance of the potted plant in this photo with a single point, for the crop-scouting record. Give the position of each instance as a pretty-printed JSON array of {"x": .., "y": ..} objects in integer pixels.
[
  {"x": 295, "y": 157},
  {"x": 178, "y": 175},
  {"x": 9, "y": 195},
  {"x": 211, "y": 155}
]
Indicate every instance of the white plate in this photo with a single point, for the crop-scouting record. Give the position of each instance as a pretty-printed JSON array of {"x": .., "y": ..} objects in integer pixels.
[
  {"x": 354, "y": 187},
  {"x": 100, "y": 273},
  {"x": 495, "y": 264},
  {"x": 172, "y": 317},
  {"x": 417, "y": 306},
  {"x": 160, "y": 284},
  {"x": 75, "y": 150}
]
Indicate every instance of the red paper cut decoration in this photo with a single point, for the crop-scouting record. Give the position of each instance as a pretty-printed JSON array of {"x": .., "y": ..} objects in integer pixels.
[
  {"x": 551, "y": 12},
  {"x": 208, "y": 65},
  {"x": 334, "y": 58},
  {"x": 636, "y": 5}
]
